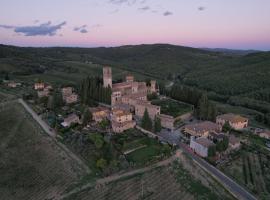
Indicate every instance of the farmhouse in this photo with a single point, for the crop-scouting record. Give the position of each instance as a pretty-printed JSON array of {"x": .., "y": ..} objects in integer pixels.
[
  {"x": 73, "y": 98},
  {"x": 100, "y": 113},
  {"x": 14, "y": 84},
  {"x": 200, "y": 145},
  {"x": 201, "y": 129},
  {"x": 122, "y": 120},
  {"x": 39, "y": 86},
  {"x": 71, "y": 119},
  {"x": 237, "y": 122},
  {"x": 68, "y": 95},
  {"x": 264, "y": 134}
]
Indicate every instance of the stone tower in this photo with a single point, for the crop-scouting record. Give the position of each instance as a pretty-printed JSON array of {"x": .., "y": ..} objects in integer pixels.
[
  {"x": 153, "y": 86},
  {"x": 107, "y": 77}
]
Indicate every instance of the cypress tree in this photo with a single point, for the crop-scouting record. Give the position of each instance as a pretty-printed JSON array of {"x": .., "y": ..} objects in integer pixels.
[
  {"x": 157, "y": 124},
  {"x": 146, "y": 121}
]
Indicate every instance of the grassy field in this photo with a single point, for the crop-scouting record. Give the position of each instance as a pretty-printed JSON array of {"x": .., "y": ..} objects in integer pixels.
[
  {"x": 173, "y": 108},
  {"x": 251, "y": 168},
  {"x": 32, "y": 165}
]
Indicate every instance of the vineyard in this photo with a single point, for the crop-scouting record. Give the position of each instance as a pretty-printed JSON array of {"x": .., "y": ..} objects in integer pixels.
[
  {"x": 32, "y": 166},
  {"x": 157, "y": 184},
  {"x": 251, "y": 168}
]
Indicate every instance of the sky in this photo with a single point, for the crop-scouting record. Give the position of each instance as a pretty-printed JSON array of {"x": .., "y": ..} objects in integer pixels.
[{"x": 234, "y": 24}]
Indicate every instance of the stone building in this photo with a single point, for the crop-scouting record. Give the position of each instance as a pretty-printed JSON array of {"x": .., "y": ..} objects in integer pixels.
[
  {"x": 71, "y": 119},
  {"x": 39, "y": 86},
  {"x": 141, "y": 106},
  {"x": 122, "y": 120},
  {"x": 237, "y": 122},
  {"x": 201, "y": 146},
  {"x": 167, "y": 121},
  {"x": 131, "y": 93},
  {"x": 202, "y": 129},
  {"x": 73, "y": 98},
  {"x": 100, "y": 113},
  {"x": 69, "y": 96},
  {"x": 107, "y": 77}
]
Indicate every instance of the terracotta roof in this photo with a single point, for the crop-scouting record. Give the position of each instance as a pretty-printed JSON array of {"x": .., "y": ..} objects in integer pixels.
[
  {"x": 72, "y": 117},
  {"x": 203, "y": 126},
  {"x": 232, "y": 118},
  {"x": 204, "y": 142},
  {"x": 98, "y": 109}
]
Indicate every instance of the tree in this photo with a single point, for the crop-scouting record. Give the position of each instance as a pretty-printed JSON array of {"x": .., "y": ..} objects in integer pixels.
[
  {"x": 226, "y": 127},
  {"x": 101, "y": 163},
  {"x": 222, "y": 145},
  {"x": 7, "y": 77},
  {"x": 152, "y": 96},
  {"x": 157, "y": 125},
  {"x": 97, "y": 139},
  {"x": 212, "y": 151},
  {"x": 87, "y": 116},
  {"x": 146, "y": 121}
]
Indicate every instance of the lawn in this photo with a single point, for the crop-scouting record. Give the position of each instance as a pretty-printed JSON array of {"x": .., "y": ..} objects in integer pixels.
[
  {"x": 151, "y": 149},
  {"x": 32, "y": 165},
  {"x": 173, "y": 108}
]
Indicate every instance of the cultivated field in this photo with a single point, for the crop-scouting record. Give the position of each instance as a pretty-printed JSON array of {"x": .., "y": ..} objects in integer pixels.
[
  {"x": 251, "y": 168},
  {"x": 173, "y": 182},
  {"x": 32, "y": 165},
  {"x": 158, "y": 184}
]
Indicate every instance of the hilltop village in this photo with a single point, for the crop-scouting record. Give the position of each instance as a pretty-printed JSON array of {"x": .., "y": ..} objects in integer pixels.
[
  {"x": 121, "y": 125},
  {"x": 139, "y": 105}
]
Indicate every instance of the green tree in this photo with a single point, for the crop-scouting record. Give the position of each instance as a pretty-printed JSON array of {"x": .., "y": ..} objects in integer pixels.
[
  {"x": 146, "y": 121},
  {"x": 157, "y": 125},
  {"x": 97, "y": 139},
  {"x": 226, "y": 127},
  {"x": 212, "y": 151},
  {"x": 87, "y": 117},
  {"x": 101, "y": 163}
]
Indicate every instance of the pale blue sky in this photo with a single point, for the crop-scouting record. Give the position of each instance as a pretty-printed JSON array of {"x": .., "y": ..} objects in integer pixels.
[{"x": 238, "y": 24}]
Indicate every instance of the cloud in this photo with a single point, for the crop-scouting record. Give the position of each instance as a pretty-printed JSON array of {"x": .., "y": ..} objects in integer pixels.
[
  {"x": 167, "y": 13},
  {"x": 128, "y": 2},
  {"x": 201, "y": 8},
  {"x": 81, "y": 29},
  {"x": 45, "y": 29},
  {"x": 144, "y": 8}
]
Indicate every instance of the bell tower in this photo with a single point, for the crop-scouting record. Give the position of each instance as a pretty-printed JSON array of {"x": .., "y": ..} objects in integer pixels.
[{"x": 107, "y": 77}]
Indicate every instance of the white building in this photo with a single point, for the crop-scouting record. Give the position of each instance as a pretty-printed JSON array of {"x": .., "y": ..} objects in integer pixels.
[{"x": 200, "y": 146}]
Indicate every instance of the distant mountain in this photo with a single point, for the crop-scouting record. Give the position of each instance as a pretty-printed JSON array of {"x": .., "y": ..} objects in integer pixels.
[{"x": 231, "y": 51}]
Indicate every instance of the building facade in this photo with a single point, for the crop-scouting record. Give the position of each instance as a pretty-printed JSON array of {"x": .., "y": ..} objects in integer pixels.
[
  {"x": 122, "y": 120},
  {"x": 202, "y": 129},
  {"x": 237, "y": 122},
  {"x": 107, "y": 77},
  {"x": 200, "y": 146}
]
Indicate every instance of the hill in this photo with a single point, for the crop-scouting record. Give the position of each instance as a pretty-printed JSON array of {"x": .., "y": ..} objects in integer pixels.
[{"x": 241, "y": 80}]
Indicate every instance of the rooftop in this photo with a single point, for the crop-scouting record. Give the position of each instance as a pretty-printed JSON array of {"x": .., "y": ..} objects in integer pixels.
[
  {"x": 232, "y": 118},
  {"x": 204, "y": 142},
  {"x": 203, "y": 126}
]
